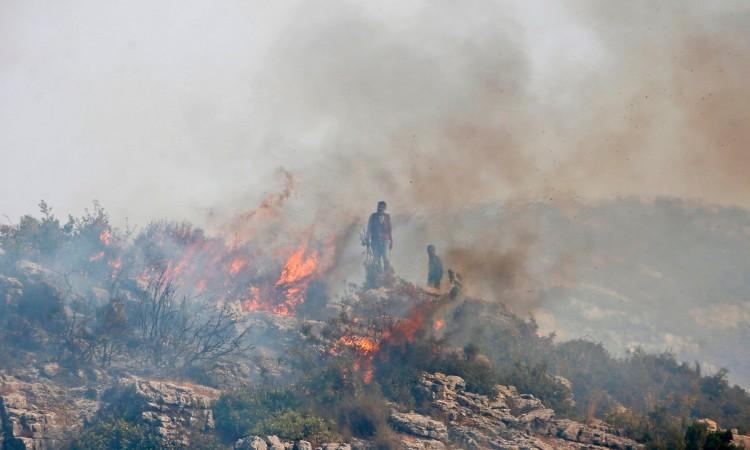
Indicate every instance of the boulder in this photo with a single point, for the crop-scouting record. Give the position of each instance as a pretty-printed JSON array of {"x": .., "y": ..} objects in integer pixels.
[
  {"x": 39, "y": 415},
  {"x": 302, "y": 445},
  {"x": 504, "y": 420},
  {"x": 251, "y": 443},
  {"x": 175, "y": 409},
  {"x": 274, "y": 443},
  {"x": 419, "y": 425}
]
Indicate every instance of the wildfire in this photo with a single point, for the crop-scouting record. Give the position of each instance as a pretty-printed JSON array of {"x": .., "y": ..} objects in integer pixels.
[
  {"x": 367, "y": 377},
  {"x": 105, "y": 237},
  {"x": 298, "y": 267},
  {"x": 288, "y": 291},
  {"x": 253, "y": 303},
  {"x": 363, "y": 345},
  {"x": 438, "y": 325},
  {"x": 236, "y": 265},
  {"x": 97, "y": 257}
]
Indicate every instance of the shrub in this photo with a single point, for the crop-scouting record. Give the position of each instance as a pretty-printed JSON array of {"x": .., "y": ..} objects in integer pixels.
[
  {"x": 116, "y": 435},
  {"x": 295, "y": 425},
  {"x": 239, "y": 413},
  {"x": 365, "y": 417},
  {"x": 697, "y": 437}
]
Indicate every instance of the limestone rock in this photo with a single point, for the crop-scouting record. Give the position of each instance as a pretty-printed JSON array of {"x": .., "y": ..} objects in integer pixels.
[
  {"x": 251, "y": 443},
  {"x": 302, "y": 445},
  {"x": 506, "y": 420},
  {"x": 419, "y": 425},
  {"x": 171, "y": 407},
  {"x": 40, "y": 415}
]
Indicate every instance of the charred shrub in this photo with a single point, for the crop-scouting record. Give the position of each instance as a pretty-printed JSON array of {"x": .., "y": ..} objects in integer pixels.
[
  {"x": 316, "y": 298},
  {"x": 42, "y": 305},
  {"x": 364, "y": 417}
]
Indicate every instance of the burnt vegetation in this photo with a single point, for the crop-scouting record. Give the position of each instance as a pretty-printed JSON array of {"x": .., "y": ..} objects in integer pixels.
[
  {"x": 72, "y": 296},
  {"x": 90, "y": 298}
]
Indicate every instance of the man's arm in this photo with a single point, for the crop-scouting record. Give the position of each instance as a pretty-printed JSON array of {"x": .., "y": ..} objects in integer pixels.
[
  {"x": 390, "y": 236},
  {"x": 368, "y": 233}
]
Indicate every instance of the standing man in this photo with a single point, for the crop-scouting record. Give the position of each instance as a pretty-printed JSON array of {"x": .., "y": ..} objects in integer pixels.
[
  {"x": 379, "y": 238},
  {"x": 434, "y": 269}
]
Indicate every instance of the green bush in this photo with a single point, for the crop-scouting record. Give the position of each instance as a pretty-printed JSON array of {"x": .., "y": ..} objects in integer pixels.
[
  {"x": 697, "y": 437},
  {"x": 295, "y": 425},
  {"x": 117, "y": 435},
  {"x": 239, "y": 413}
]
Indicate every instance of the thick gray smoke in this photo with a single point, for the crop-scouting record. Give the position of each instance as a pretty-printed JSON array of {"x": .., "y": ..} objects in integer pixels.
[
  {"x": 183, "y": 111},
  {"x": 188, "y": 112}
]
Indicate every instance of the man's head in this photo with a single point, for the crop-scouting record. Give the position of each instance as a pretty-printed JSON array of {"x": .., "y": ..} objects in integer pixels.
[
  {"x": 430, "y": 249},
  {"x": 381, "y": 206}
]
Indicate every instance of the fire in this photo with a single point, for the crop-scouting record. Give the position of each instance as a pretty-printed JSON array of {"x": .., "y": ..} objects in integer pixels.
[
  {"x": 236, "y": 265},
  {"x": 298, "y": 267},
  {"x": 363, "y": 345},
  {"x": 282, "y": 310},
  {"x": 367, "y": 377},
  {"x": 253, "y": 303},
  {"x": 438, "y": 325},
  {"x": 105, "y": 237},
  {"x": 116, "y": 264},
  {"x": 97, "y": 257}
]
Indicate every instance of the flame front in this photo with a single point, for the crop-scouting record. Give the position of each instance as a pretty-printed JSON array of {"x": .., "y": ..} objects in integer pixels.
[
  {"x": 363, "y": 345},
  {"x": 298, "y": 267},
  {"x": 236, "y": 265}
]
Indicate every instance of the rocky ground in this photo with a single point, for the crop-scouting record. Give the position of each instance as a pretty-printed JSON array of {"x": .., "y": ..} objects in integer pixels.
[
  {"x": 461, "y": 419},
  {"x": 38, "y": 413},
  {"x": 45, "y": 402}
]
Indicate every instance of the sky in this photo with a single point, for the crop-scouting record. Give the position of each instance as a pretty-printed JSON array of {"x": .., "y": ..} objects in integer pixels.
[{"x": 187, "y": 110}]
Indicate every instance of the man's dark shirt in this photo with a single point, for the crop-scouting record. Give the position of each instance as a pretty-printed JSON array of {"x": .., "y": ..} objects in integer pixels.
[
  {"x": 379, "y": 227},
  {"x": 435, "y": 272}
]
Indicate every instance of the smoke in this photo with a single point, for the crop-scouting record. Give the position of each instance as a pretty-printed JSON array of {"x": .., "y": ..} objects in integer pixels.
[
  {"x": 448, "y": 105},
  {"x": 432, "y": 106}
]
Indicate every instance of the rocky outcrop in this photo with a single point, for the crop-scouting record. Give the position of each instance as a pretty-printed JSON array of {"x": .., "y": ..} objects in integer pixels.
[
  {"x": 40, "y": 415},
  {"x": 506, "y": 420},
  {"x": 274, "y": 443},
  {"x": 419, "y": 425},
  {"x": 172, "y": 408}
]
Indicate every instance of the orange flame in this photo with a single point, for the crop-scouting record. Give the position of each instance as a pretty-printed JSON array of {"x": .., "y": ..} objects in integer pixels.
[
  {"x": 439, "y": 324},
  {"x": 363, "y": 345},
  {"x": 97, "y": 257},
  {"x": 106, "y": 237},
  {"x": 367, "y": 377},
  {"x": 236, "y": 265},
  {"x": 298, "y": 267}
]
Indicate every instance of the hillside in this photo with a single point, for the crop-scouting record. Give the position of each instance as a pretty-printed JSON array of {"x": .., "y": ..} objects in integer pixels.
[{"x": 168, "y": 338}]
